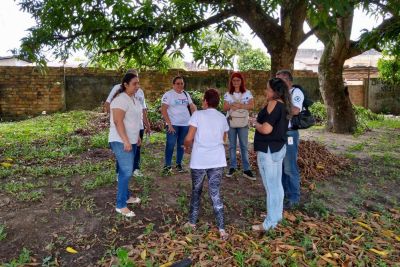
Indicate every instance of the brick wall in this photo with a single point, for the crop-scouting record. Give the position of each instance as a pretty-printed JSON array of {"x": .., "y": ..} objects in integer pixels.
[
  {"x": 357, "y": 95},
  {"x": 25, "y": 91}
]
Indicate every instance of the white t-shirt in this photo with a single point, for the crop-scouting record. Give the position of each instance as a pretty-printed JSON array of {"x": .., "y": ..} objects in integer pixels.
[
  {"x": 208, "y": 147},
  {"x": 297, "y": 98},
  {"x": 243, "y": 98},
  {"x": 133, "y": 115},
  {"x": 139, "y": 96},
  {"x": 177, "y": 110}
]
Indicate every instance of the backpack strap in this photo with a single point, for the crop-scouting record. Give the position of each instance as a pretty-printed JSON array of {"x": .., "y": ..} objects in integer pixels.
[{"x": 188, "y": 105}]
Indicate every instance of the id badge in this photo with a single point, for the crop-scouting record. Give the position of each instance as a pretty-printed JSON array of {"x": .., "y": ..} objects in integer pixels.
[{"x": 290, "y": 140}]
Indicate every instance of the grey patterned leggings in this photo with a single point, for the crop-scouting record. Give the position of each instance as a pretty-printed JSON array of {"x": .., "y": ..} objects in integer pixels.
[{"x": 214, "y": 182}]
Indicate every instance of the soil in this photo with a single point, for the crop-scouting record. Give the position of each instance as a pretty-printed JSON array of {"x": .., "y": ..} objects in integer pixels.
[{"x": 49, "y": 226}]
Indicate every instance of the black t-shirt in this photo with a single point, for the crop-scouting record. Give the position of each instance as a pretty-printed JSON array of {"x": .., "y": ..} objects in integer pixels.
[{"x": 277, "y": 138}]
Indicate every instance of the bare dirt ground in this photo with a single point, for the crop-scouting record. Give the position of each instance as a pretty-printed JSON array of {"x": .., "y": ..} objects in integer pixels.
[{"x": 86, "y": 220}]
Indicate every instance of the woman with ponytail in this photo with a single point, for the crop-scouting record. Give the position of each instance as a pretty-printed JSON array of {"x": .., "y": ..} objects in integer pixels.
[
  {"x": 125, "y": 117},
  {"x": 270, "y": 145}
]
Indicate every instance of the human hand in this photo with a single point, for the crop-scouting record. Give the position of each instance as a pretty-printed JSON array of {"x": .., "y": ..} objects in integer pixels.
[
  {"x": 171, "y": 129},
  {"x": 127, "y": 146},
  {"x": 187, "y": 149}
]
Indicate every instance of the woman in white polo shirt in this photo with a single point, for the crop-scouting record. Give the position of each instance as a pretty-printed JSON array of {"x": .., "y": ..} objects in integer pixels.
[
  {"x": 125, "y": 117},
  {"x": 207, "y": 131},
  {"x": 175, "y": 111}
]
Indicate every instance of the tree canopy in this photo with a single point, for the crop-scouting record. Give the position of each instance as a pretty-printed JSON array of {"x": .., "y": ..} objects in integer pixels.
[{"x": 254, "y": 59}]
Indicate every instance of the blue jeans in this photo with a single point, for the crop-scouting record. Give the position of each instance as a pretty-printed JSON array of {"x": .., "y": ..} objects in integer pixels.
[
  {"x": 175, "y": 138},
  {"x": 125, "y": 170},
  {"x": 270, "y": 167},
  {"x": 243, "y": 134},
  {"x": 136, "y": 163},
  {"x": 291, "y": 174}
]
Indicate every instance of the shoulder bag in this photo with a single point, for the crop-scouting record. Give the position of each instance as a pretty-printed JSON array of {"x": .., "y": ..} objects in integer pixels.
[{"x": 238, "y": 118}]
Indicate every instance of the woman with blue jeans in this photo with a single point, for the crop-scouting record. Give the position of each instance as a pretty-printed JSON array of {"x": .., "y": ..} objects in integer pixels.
[
  {"x": 125, "y": 116},
  {"x": 175, "y": 111},
  {"x": 270, "y": 145},
  {"x": 238, "y": 98}
]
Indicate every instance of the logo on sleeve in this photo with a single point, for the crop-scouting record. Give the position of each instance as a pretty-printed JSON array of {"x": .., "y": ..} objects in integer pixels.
[{"x": 297, "y": 99}]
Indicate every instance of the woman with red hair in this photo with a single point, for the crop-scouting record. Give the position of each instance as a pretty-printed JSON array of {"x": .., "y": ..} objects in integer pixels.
[{"x": 237, "y": 102}]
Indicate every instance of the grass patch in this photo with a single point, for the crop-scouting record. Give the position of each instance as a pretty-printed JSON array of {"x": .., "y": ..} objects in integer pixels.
[
  {"x": 42, "y": 127},
  {"x": 3, "y": 232}
]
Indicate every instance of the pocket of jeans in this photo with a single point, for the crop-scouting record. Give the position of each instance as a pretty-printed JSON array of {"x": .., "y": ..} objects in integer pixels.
[{"x": 279, "y": 155}]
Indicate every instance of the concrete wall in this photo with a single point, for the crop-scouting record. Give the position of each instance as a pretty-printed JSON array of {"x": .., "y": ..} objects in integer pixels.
[{"x": 382, "y": 97}]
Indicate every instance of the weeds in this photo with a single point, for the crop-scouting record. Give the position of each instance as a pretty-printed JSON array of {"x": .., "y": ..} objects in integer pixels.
[
  {"x": 24, "y": 258},
  {"x": 3, "y": 233}
]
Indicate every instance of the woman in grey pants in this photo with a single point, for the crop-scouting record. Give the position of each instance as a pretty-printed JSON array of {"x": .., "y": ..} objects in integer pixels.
[{"x": 205, "y": 142}]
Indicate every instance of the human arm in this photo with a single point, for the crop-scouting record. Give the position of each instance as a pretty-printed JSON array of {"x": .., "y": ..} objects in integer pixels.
[
  {"x": 188, "y": 142},
  {"x": 106, "y": 107},
  {"x": 193, "y": 107},
  {"x": 264, "y": 124},
  {"x": 146, "y": 122},
  {"x": 110, "y": 96},
  {"x": 264, "y": 128},
  {"x": 118, "y": 117},
  {"x": 164, "y": 113},
  {"x": 297, "y": 98}
]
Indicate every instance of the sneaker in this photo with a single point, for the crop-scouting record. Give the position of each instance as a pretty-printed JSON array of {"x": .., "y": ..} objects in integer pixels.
[
  {"x": 231, "y": 172},
  {"x": 249, "y": 175},
  {"x": 137, "y": 173},
  {"x": 167, "y": 170},
  {"x": 179, "y": 168},
  {"x": 288, "y": 205}
]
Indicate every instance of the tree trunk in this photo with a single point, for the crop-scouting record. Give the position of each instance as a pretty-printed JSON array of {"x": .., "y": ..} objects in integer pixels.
[
  {"x": 282, "y": 58},
  {"x": 281, "y": 37},
  {"x": 341, "y": 118}
]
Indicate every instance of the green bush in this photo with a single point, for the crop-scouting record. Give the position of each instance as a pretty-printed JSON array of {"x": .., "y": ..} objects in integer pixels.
[
  {"x": 319, "y": 111},
  {"x": 363, "y": 116}
]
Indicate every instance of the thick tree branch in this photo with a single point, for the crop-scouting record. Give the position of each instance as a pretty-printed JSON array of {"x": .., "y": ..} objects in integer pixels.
[
  {"x": 356, "y": 48},
  {"x": 174, "y": 31}
]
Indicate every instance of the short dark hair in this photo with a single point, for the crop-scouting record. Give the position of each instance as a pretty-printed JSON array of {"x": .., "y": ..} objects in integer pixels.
[
  {"x": 286, "y": 73},
  {"x": 212, "y": 97},
  {"x": 178, "y": 78}
]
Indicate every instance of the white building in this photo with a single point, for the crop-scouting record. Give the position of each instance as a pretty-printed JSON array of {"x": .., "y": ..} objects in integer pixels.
[{"x": 308, "y": 59}]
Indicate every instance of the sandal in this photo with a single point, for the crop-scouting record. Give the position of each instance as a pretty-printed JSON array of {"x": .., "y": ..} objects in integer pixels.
[
  {"x": 128, "y": 214},
  {"x": 223, "y": 235},
  {"x": 133, "y": 200},
  {"x": 258, "y": 228}
]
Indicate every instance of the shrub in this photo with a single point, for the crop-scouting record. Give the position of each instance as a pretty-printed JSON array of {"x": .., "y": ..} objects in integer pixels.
[{"x": 319, "y": 111}]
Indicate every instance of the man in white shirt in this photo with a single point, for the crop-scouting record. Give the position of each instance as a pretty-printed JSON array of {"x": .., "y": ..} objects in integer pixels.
[
  {"x": 291, "y": 173},
  {"x": 144, "y": 122}
]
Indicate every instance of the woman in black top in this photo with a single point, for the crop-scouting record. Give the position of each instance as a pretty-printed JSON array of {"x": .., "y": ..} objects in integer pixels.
[{"x": 269, "y": 142}]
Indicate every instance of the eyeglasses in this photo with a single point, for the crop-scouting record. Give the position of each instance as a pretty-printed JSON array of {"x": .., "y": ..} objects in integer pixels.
[{"x": 179, "y": 83}]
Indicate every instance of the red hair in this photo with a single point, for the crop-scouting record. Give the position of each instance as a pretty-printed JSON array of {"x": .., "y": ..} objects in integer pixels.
[{"x": 242, "y": 87}]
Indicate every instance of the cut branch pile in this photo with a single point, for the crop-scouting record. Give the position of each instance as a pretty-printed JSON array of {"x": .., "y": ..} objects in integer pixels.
[{"x": 315, "y": 161}]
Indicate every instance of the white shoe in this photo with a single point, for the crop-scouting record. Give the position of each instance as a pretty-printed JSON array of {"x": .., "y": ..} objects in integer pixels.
[
  {"x": 137, "y": 173},
  {"x": 133, "y": 200},
  {"x": 129, "y": 214}
]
